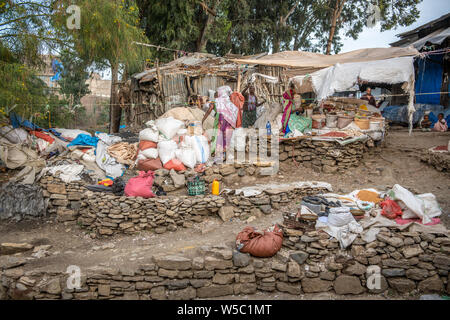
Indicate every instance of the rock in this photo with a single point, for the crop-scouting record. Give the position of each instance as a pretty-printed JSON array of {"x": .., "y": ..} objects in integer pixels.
[
  {"x": 293, "y": 270},
  {"x": 402, "y": 285},
  {"x": 393, "y": 272},
  {"x": 158, "y": 293},
  {"x": 53, "y": 286},
  {"x": 183, "y": 294},
  {"x": 173, "y": 262},
  {"x": 266, "y": 208},
  {"x": 226, "y": 213},
  {"x": 278, "y": 266},
  {"x": 308, "y": 239},
  {"x": 416, "y": 274},
  {"x": 215, "y": 291},
  {"x": 394, "y": 241},
  {"x": 348, "y": 285},
  {"x": 212, "y": 263},
  {"x": 376, "y": 283},
  {"x": 313, "y": 285},
  {"x": 104, "y": 290},
  {"x": 179, "y": 180},
  {"x": 8, "y": 248},
  {"x": 442, "y": 262},
  {"x": 241, "y": 259},
  {"x": 327, "y": 275},
  {"x": 299, "y": 256},
  {"x": 256, "y": 212},
  {"x": 9, "y": 262},
  {"x": 227, "y": 169},
  {"x": 292, "y": 288},
  {"x": 355, "y": 269},
  {"x": 223, "y": 278},
  {"x": 412, "y": 251},
  {"x": 433, "y": 284}
]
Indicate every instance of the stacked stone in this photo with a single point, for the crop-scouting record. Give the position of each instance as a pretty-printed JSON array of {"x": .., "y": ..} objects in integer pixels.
[
  {"x": 109, "y": 214},
  {"x": 409, "y": 263},
  {"x": 64, "y": 199},
  {"x": 439, "y": 160},
  {"x": 324, "y": 156}
]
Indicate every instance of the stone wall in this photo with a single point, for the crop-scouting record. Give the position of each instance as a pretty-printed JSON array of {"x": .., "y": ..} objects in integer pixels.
[
  {"x": 410, "y": 263},
  {"x": 438, "y": 160}
]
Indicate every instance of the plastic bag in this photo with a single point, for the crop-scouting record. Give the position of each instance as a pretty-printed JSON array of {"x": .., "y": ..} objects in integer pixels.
[
  {"x": 391, "y": 209},
  {"x": 415, "y": 206},
  {"x": 187, "y": 156},
  {"x": 140, "y": 186},
  {"x": 340, "y": 217},
  {"x": 200, "y": 146},
  {"x": 146, "y": 144},
  {"x": 166, "y": 150},
  {"x": 149, "y": 134},
  {"x": 169, "y": 126},
  {"x": 260, "y": 244},
  {"x": 175, "y": 164},
  {"x": 149, "y": 164},
  {"x": 150, "y": 153}
]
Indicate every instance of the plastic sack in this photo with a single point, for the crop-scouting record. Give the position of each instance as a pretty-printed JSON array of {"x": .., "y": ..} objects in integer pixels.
[
  {"x": 200, "y": 146},
  {"x": 140, "y": 157},
  {"x": 146, "y": 144},
  {"x": 169, "y": 126},
  {"x": 150, "y": 153},
  {"x": 140, "y": 186},
  {"x": 149, "y": 164},
  {"x": 260, "y": 244},
  {"x": 70, "y": 133},
  {"x": 187, "y": 156},
  {"x": 391, "y": 209},
  {"x": 340, "y": 217},
  {"x": 175, "y": 164},
  {"x": 15, "y": 136},
  {"x": 166, "y": 150},
  {"x": 149, "y": 134},
  {"x": 432, "y": 208}
]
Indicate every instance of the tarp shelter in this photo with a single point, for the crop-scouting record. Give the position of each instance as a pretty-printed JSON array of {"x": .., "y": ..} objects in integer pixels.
[{"x": 429, "y": 79}]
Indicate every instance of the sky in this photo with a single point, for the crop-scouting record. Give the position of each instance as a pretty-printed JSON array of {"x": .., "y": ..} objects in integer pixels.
[{"x": 373, "y": 38}]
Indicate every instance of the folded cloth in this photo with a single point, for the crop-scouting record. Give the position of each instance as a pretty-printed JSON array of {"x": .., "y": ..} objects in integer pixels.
[{"x": 124, "y": 152}]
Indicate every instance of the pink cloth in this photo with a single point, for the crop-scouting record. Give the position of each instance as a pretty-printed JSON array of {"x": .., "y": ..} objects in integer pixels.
[
  {"x": 225, "y": 107},
  {"x": 440, "y": 126},
  {"x": 401, "y": 221}
]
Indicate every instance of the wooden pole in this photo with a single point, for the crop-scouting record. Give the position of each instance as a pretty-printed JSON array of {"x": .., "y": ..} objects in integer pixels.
[{"x": 238, "y": 88}]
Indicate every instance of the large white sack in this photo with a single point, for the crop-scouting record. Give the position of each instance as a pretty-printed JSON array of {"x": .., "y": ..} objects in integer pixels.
[
  {"x": 187, "y": 156},
  {"x": 415, "y": 207},
  {"x": 71, "y": 133},
  {"x": 140, "y": 156},
  {"x": 149, "y": 134},
  {"x": 166, "y": 150},
  {"x": 201, "y": 147},
  {"x": 340, "y": 217},
  {"x": 15, "y": 136},
  {"x": 169, "y": 126},
  {"x": 150, "y": 153}
]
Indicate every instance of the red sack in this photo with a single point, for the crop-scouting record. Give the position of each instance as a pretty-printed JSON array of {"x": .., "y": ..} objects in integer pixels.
[
  {"x": 175, "y": 164},
  {"x": 140, "y": 186},
  {"x": 263, "y": 245},
  {"x": 145, "y": 144},
  {"x": 149, "y": 164},
  {"x": 391, "y": 209}
]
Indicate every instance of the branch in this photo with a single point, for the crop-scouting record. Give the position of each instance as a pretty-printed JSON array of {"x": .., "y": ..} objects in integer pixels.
[
  {"x": 25, "y": 17},
  {"x": 284, "y": 19},
  {"x": 207, "y": 9}
]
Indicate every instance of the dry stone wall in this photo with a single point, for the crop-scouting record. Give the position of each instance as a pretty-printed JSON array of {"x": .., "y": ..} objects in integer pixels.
[{"x": 408, "y": 263}]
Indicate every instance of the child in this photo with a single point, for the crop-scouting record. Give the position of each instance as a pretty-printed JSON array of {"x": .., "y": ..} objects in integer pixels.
[
  {"x": 441, "y": 124},
  {"x": 426, "y": 123}
]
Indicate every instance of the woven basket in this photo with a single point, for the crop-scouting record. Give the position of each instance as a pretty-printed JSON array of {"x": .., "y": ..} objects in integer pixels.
[
  {"x": 363, "y": 124},
  {"x": 196, "y": 187}
]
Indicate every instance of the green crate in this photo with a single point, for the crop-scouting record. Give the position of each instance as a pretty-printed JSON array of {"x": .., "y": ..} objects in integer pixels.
[{"x": 196, "y": 187}]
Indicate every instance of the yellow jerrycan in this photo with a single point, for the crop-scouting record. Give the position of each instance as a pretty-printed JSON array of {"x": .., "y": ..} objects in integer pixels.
[{"x": 215, "y": 187}]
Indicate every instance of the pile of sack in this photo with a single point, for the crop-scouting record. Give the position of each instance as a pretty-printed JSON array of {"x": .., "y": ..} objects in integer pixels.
[{"x": 165, "y": 143}]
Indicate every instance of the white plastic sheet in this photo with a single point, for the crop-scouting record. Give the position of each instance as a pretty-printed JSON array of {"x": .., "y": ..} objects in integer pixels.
[{"x": 15, "y": 136}]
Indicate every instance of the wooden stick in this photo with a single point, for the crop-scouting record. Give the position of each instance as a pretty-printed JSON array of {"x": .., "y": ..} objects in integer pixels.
[{"x": 238, "y": 88}]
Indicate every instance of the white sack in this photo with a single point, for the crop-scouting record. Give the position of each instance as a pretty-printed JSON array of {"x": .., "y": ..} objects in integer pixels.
[
  {"x": 149, "y": 134},
  {"x": 107, "y": 138},
  {"x": 15, "y": 136},
  {"x": 150, "y": 153},
  {"x": 340, "y": 217},
  {"x": 187, "y": 156},
  {"x": 201, "y": 147},
  {"x": 169, "y": 126},
  {"x": 107, "y": 163},
  {"x": 71, "y": 133},
  {"x": 166, "y": 150},
  {"x": 67, "y": 172}
]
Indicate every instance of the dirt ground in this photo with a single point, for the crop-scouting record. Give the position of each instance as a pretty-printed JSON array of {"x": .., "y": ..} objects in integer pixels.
[{"x": 396, "y": 163}]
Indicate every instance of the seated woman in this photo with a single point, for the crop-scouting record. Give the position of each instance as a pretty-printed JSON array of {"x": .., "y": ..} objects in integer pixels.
[{"x": 441, "y": 124}]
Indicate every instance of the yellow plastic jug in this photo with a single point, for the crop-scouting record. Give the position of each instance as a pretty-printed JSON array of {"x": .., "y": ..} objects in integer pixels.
[{"x": 215, "y": 187}]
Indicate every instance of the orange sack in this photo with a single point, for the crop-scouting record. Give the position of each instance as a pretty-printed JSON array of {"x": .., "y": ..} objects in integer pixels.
[
  {"x": 145, "y": 144},
  {"x": 149, "y": 165},
  {"x": 175, "y": 164},
  {"x": 260, "y": 245}
]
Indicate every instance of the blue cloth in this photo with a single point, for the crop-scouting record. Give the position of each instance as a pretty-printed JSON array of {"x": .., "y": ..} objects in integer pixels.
[
  {"x": 17, "y": 121},
  {"x": 400, "y": 113},
  {"x": 84, "y": 140},
  {"x": 429, "y": 79}
]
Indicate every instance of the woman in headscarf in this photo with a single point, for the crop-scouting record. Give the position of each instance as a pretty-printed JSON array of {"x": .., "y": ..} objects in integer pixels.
[
  {"x": 288, "y": 105},
  {"x": 225, "y": 120},
  {"x": 250, "y": 105}
]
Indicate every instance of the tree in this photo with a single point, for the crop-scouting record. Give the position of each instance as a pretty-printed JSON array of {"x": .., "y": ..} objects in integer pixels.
[{"x": 108, "y": 30}]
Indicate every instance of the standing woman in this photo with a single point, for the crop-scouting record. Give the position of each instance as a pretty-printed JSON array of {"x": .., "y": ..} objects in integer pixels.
[
  {"x": 288, "y": 105},
  {"x": 225, "y": 120},
  {"x": 250, "y": 105}
]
